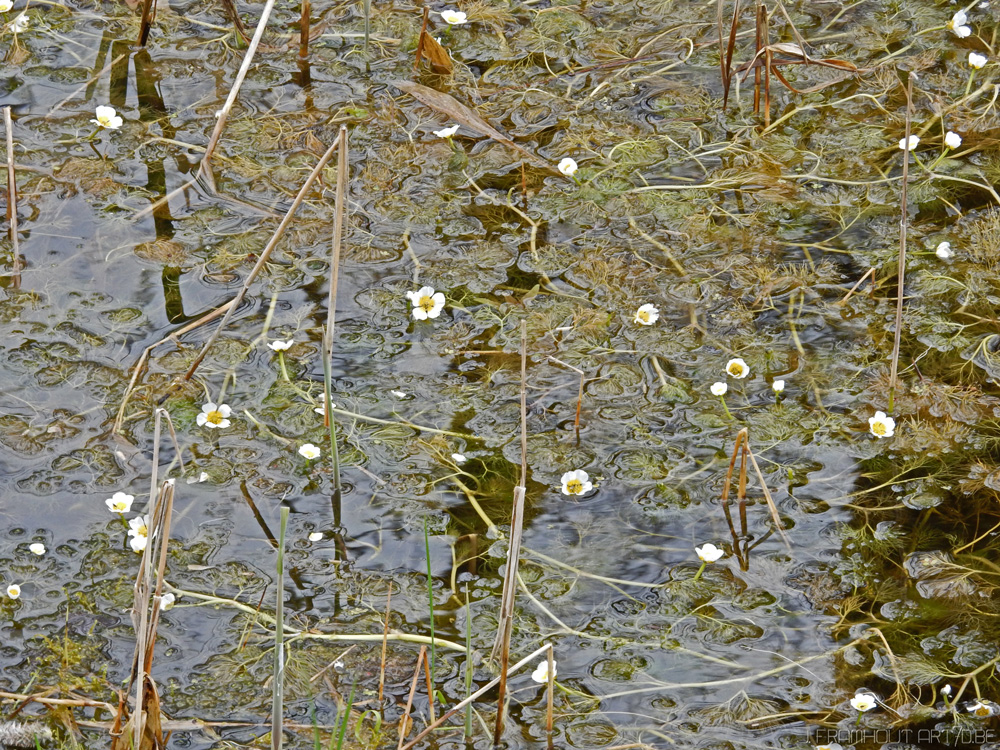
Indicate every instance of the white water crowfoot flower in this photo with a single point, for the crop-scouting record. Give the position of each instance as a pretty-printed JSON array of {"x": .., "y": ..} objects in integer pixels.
[
  {"x": 458, "y": 458},
  {"x": 13, "y": 591},
  {"x": 778, "y": 386},
  {"x": 646, "y": 315},
  {"x": 719, "y": 388},
  {"x": 426, "y": 303},
  {"x": 863, "y": 702},
  {"x": 541, "y": 673},
  {"x": 908, "y": 145},
  {"x": 882, "y": 426},
  {"x": 120, "y": 502},
  {"x": 446, "y": 133},
  {"x": 214, "y": 417},
  {"x": 943, "y": 250},
  {"x": 707, "y": 553},
  {"x": 280, "y": 346},
  {"x": 983, "y": 709},
  {"x": 576, "y": 482},
  {"x": 107, "y": 118},
  {"x": 952, "y": 139},
  {"x": 167, "y": 602},
  {"x": 309, "y": 451},
  {"x": 20, "y": 24},
  {"x": 5, "y": 5},
  {"x": 834, "y": 746},
  {"x": 454, "y": 17},
  {"x": 37, "y": 549},
  {"x": 977, "y": 61},
  {"x": 568, "y": 167},
  {"x": 138, "y": 532},
  {"x": 316, "y": 536},
  {"x": 957, "y": 25},
  {"x": 737, "y": 368}
]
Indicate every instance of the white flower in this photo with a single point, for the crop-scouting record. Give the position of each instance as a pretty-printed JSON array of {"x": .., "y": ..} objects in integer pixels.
[
  {"x": 316, "y": 536},
  {"x": 138, "y": 526},
  {"x": 946, "y": 690},
  {"x": 977, "y": 61},
  {"x": 709, "y": 553},
  {"x": 138, "y": 543},
  {"x": 881, "y": 425},
  {"x": 446, "y": 132},
  {"x": 107, "y": 118},
  {"x": 5, "y": 5},
  {"x": 957, "y": 25},
  {"x": 863, "y": 702},
  {"x": 952, "y": 139},
  {"x": 398, "y": 394},
  {"x": 20, "y": 23},
  {"x": 37, "y": 549},
  {"x": 778, "y": 386},
  {"x": 737, "y": 368},
  {"x": 541, "y": 673},
  {"x": 454, "y": 17},
  {"x": 943, "y": 250},
  {"x": 568, "y": 167},
  {"x": 719, "y": 389},
  {"x": 281, "y": 346},
  {"x": 321, "y": 409},
  {"x": 426, "y": 303},
  {"x": 576, "y": 482},
  {"x": 214, "y": 416},
  {"x": 203, "y": 477},
  {"x": 982, "y": 710},
  {"x": 167, "y": 602},
  {"x": 309, "y": 451},
  {"x": 834, "y": 746},
  {"x": 120, "y": 502},
  {"x": 13, "y": 591},
  {"x": 903, "y": 145},
  {"x": 458, "y": 458},
  {"x": 647, "y": 315}
]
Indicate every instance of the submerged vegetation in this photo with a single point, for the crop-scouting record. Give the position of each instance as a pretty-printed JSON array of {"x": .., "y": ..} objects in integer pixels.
[{"x": 678, "y": 321}]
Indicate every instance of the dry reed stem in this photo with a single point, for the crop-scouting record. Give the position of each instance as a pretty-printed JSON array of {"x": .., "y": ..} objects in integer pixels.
[
  {"x": 465, "y": 702},
  {"x": 429, "y": 678},
  {"x": 901, "y": 260},
  {"x": 264, "y": 255},
  {"x": 146, "y": 21},
  {"x": 385, "y": 648},
  {"x": 853, "y": 289},
  {"x": 579, "y": 396},
  {"x": 15, "y": 271},
  {"x": 304, "y": 29},
  {"x": 405, "y": 720}
]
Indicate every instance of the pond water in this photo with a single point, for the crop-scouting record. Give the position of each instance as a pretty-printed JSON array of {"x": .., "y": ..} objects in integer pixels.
[{"x": 769, "y": 238}]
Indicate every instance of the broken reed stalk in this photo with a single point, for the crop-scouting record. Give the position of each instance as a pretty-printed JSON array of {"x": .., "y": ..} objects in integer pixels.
[
  {"x": 579, "y": 396},
  {"x": 265, "y": 255},
  {"x": 726, "y": 54},
  {"x": 550, "y": 695},
  {"x": 304, "y": 29},
  {"x": 430, "y": 604},
  {"x": 469, "y": 700},
  {"x": 340, "y": 209},
  {"x": 901, "y": 261},
  {"x": 148, "y": 16},
  {"x": 739, "y": 539},
  {"x": 278, "y": 684},
  {"x": 405, "y": 721},
  {"x": 15, "y": 271},
  {"x": 420, "y": 43},
  {"x": 468, "y": 665},
  {"x": 385, "y": 648},
  {"x": 502, "y": 642}
]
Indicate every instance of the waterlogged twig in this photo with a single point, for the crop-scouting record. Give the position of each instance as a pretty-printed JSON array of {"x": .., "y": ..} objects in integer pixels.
[{"x": 15, "y": 271}]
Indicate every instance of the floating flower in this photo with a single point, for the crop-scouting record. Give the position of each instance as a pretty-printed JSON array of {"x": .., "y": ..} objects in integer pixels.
[
  {"x": 568, "y": 167},
  {"x": 458, "y": 458},
  {"x": 982, "y": 710},
  {"x": 167, "y": 602},
  {"x": 398, "y": 394},
  {"x": 138, "y": 530},
  {"x": 957, "y": 25},
  {"x": 426, "y": 303},
  {"x": 943, "y": 250},
  {"x": 37, "y": 549},
  {"x": 316, "y": 536},
  {"x": 909, "y": 145},
  {"x": 13, "y": 591},
  {"x": 778, "y": 386},
  {"x": 213, "y": 416},
  {"x": 863, "y": 702},
  {"x": 5, "y": 5},
  {"x": 281, "y": 346},
  {"x": 881, "y": 426},
  {"x": 454, "y": 18},
  {"x": 647, "y": 315},
  {"x": 107, "y": 118},
  {"x": 709, "y": 553},
  {"x": 120, "y": 502},
  {"x": 202, "y": 477},
  {"x": 952, "y": 139},
  {"x": 834, "y": 746},
  {"x": 946, "y": 690},
  {"x": 977, "y": 61},
  {"x": 20, "y": 23},
  {"x": 576, "y": 482},
  {"x": 737, "y": 368},
  {"x": 541, "y": 673},
  {"x": 309, "y": 451},
  {"x": 719, "y": 389},
  {"x": 446, "y": 132}
]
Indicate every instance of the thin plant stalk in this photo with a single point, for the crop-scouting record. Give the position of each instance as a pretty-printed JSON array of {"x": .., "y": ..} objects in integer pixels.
[
  {"x": 304, "y": 29},
  {"x": 550, "y": 695},
  {"x": 579, "y": 395},
  {"x": 404, "y": 722},
  {"x": 347, "y": 717},
  {"x": 15, "y": 271},
  {"x": 385, "y": 647},
  {"x": 430, "y": 594},
  {"x": 901, "y": 261},
  {"x": 468, "y": 665},
  {"x": 278, "y": 682}
]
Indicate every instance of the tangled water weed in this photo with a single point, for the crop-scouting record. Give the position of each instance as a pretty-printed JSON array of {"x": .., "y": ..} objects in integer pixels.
[{"x": 694, "y": 232}]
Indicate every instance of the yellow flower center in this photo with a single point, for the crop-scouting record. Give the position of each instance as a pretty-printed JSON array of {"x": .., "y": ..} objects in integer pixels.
[
  {"x": 983, "y": 711},
  {"x": 643, "y": 315},
  {"x": 142, "y": 530},
  {"x": 215, "y": 417},
  {"x": 735, "y": 370},
  {"x": 574, "y": 486},
  {"x": 104, "y": 120},
  {"x": 878, "y": 428},
  {"x": 427, "y": 303}
]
